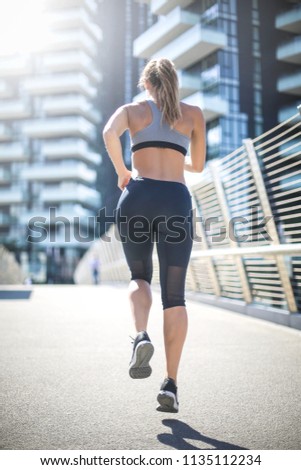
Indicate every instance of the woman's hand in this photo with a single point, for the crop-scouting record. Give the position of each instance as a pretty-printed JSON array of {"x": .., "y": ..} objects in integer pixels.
[{"x": 123, "y": 179}]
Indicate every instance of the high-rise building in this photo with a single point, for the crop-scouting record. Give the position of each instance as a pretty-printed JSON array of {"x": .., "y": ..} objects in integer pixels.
[
  {"x": 289, "y": 53},
  {"x": 120, "y": 22},
  {"x": 231, "y": 61},
  {"x": 49, "y": 144}
]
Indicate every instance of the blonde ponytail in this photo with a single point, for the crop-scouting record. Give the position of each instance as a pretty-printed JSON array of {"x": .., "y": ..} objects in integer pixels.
[{"x": 162, "y": 76}]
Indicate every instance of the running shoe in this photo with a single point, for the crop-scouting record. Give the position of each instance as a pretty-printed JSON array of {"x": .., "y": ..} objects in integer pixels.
[
  {"x": 168, "y": 397},
  {"x": 142, "y": 354}
]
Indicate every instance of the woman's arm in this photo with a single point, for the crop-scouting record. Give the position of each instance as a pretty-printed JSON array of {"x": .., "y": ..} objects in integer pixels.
[
  {"x": 196, "y": 162},
  {"x": 114, "y": 128}
]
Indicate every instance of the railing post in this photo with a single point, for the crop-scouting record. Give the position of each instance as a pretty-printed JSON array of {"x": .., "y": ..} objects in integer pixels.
[
  {"x": 267, "y": 212},
  {"x": 221, "y": 196},
  {"x": 210, "y": 264}
]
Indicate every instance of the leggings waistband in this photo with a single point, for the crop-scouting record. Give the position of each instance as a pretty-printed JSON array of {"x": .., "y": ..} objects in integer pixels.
[{"x": 159, "y": 182}]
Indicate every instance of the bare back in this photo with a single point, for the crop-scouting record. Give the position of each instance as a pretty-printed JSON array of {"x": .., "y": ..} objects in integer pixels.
[{"x": 160, "y": 163}]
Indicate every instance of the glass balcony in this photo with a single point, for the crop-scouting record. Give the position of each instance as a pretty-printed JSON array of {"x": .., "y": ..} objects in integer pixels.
[
  {"x": 74, "y": 19},
  {"x": 13, "y": 152},
  {"x": 5, "y": 90},
  {"x": 14, "y": 109},
  {"x": 290, "y": 84},
  {"x": 59, "y": 172},
  {"x": 90, "y": 5},
  {"x": 70, "y": 105},
  {"x": 162, "y": 7},
  {"x": 165, "y": 30},
  {"x": 70, "y": 148},
  {"x": 71, "y": 192},
  {"x": 188, "y": 83},
  {"x": 291, "y": 51},
  {"x": 213, "y": 106},
  {"x": 60, "y": 83},
  {"x": 290, "y": 20},
  {"x": 11, "y": 196},
  {"x": 71, "y": 61},
  {"x": 14, "y": 65},
  {"x": 59, "y": 127},
  {"x": 193, "y": 45},
  {"x": 5, "y": 133},
  {"x": 71, "y": 40}
]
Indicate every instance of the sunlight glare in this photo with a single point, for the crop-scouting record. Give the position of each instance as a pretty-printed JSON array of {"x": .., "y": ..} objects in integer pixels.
[{"x": 23, "y": 26}]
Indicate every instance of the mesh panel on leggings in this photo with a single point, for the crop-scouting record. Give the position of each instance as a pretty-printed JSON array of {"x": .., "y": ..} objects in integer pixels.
[
  {"x": 173, "y": 290},
  {"x": 141, "y": 269}
]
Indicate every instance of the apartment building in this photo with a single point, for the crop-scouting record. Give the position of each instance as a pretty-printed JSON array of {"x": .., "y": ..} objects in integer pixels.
[
  {"x": 289, "y": 53},
  {"x": 49, "y": 143},
  {"x": 228, "y": 56}
]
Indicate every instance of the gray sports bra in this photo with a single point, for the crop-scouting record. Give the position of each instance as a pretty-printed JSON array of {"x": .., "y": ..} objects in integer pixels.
[{"x": 159, "y": 134}]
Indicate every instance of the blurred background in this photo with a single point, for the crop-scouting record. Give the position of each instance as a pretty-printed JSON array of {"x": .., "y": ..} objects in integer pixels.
[{"x": 66, "y": 65}]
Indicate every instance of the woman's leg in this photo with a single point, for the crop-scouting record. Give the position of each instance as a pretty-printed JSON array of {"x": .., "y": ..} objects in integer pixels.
[
  {"x": 138, "y": 248},
  {"x": 140, "y": 297},
  {"x": 175, "y": 330}
]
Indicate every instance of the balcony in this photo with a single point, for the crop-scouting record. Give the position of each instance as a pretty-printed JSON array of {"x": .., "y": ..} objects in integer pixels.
[
  {"x": 193, "y": 45},
  {"x": 290, "y": 84},
  {"x": 70, "y": 211},
  {"x": 14, "y": 152},
  {"x": 14, "y": 66},
  {"x": 90, "y": 5},
  {"x": 70, "y": 148},
  {"x": 71, "y": 192},
  {"x": 60, "y": 83},
  {"x": 5, "y": 133},
  {"x": 163, "y": 32},
  {"x": 59, "y": 127},
  {"x": 290, "y": 20},
  {"x": 188, "y": 83},
  {"x": 71, "y": 105},
  {"x": 5, "y": 90},
  {"x": 74, "y": 19},
  {"x": 291, "y": 51},
  {"x": 71, "y": 61},
  {"x": 80, "y": 40},
  {"x": 11, "y": 196},
  {"x": 60, "y": 172},
  {"x": 213, "y": 106},
  {"x": 14, "y": 109},
  {"x": 162, "y": 7}
]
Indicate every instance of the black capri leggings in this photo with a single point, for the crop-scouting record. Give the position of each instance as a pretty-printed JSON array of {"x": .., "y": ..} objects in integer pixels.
[{"x": 153, "y": 211}]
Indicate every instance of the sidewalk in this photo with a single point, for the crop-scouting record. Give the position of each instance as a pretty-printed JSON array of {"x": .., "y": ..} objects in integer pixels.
[{"x": 64, "y": 357}]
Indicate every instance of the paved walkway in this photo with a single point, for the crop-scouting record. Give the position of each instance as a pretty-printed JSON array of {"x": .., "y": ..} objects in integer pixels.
[{"x": 64, "y": 382}]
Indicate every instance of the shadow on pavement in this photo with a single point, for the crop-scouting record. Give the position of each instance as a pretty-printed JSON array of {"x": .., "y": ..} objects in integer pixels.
[{"x": 182, "y": 431}]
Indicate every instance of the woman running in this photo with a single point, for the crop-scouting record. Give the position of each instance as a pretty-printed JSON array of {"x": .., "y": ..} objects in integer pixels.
[{"x": 155, "y": 208}]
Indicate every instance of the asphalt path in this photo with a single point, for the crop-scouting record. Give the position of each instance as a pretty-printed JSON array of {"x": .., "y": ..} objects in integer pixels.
[{"x": 64, "y": 380}]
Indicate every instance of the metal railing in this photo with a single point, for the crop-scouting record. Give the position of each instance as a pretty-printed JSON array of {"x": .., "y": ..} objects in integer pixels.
[
  {"x": 247, "y": 208},
  {"x": 252, "y": 196}
]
